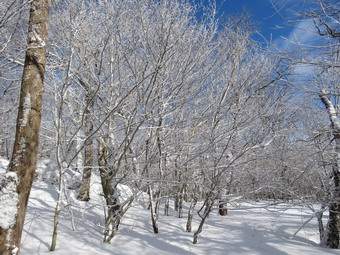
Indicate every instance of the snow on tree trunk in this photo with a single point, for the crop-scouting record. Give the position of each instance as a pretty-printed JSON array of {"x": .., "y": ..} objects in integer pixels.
[
  {"x": 79, "y": 144},
  {"x": 191, "y": 211},
  {"x": 24, "y": 157},
  {"x": 222, "y": 208},
  {"x": 153, "y": 210},
  {"x": 331, "y": 234},
  {"x": 84, "y": 192},
  {"x": 8, "y": 199},
  {"x": 58, "y": 207}
]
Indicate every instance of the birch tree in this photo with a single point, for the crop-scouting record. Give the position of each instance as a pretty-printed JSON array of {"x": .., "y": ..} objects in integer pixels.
[
  {"x": 323, "y": 14},
  {"x": 331, "y": 237}
]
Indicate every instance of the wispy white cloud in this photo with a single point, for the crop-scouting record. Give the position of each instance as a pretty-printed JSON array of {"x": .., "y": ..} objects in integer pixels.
[
  {"x": 303, "y": 35},
  {"x": 302, "y": 38}
]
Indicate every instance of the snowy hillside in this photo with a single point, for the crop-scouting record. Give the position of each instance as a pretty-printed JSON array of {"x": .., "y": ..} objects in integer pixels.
[{"x": 250, "y": 228}]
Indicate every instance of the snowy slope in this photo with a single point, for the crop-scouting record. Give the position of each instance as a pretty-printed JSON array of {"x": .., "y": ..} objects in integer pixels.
[
  {"x": 248, "y": 229},
  {"x": 253, "y": 231}
]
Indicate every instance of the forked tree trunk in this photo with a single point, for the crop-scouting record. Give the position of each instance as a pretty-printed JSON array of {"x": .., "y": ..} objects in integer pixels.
[
  {"x": 208, "y": 208},
  {"x": 112, "y": 219},
  {"x": 24, "y": 157}
]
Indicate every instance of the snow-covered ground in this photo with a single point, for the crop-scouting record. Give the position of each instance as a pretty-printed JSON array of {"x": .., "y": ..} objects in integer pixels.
[{"x": 249, "y": 228}]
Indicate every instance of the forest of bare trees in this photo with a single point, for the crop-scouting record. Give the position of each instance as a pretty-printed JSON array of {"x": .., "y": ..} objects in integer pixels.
[{"x": 164, "y": 97}]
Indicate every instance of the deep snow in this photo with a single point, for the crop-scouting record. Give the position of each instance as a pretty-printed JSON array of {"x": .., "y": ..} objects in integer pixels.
[{"x": 250, "y": 228}]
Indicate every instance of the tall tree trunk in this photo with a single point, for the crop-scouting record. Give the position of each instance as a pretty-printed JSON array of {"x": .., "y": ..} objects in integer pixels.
[
  {"x": 84, "y": 192},
  {"x": 24, "y": 157},
  {"x": 58, "y": 209},
  {"x": 331, "y": 234}
]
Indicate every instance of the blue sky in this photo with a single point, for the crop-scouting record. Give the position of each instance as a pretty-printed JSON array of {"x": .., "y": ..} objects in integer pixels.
[
  {"x": 271, "y": 16},
  {"x": 275, "y": 23},
  {"x": 267, "y": 16}
]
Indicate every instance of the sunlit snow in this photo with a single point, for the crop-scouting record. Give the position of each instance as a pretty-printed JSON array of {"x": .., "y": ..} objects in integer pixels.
[{"x": 258, "y": 228}]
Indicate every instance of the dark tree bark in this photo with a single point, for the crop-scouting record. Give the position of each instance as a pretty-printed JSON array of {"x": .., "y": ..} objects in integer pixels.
[
  {"x": 222, "y": 210},
  {"x": 209, "y": 202},
  {"x": 24, "y": 157},
  {"x": 112, "y": 219}
]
